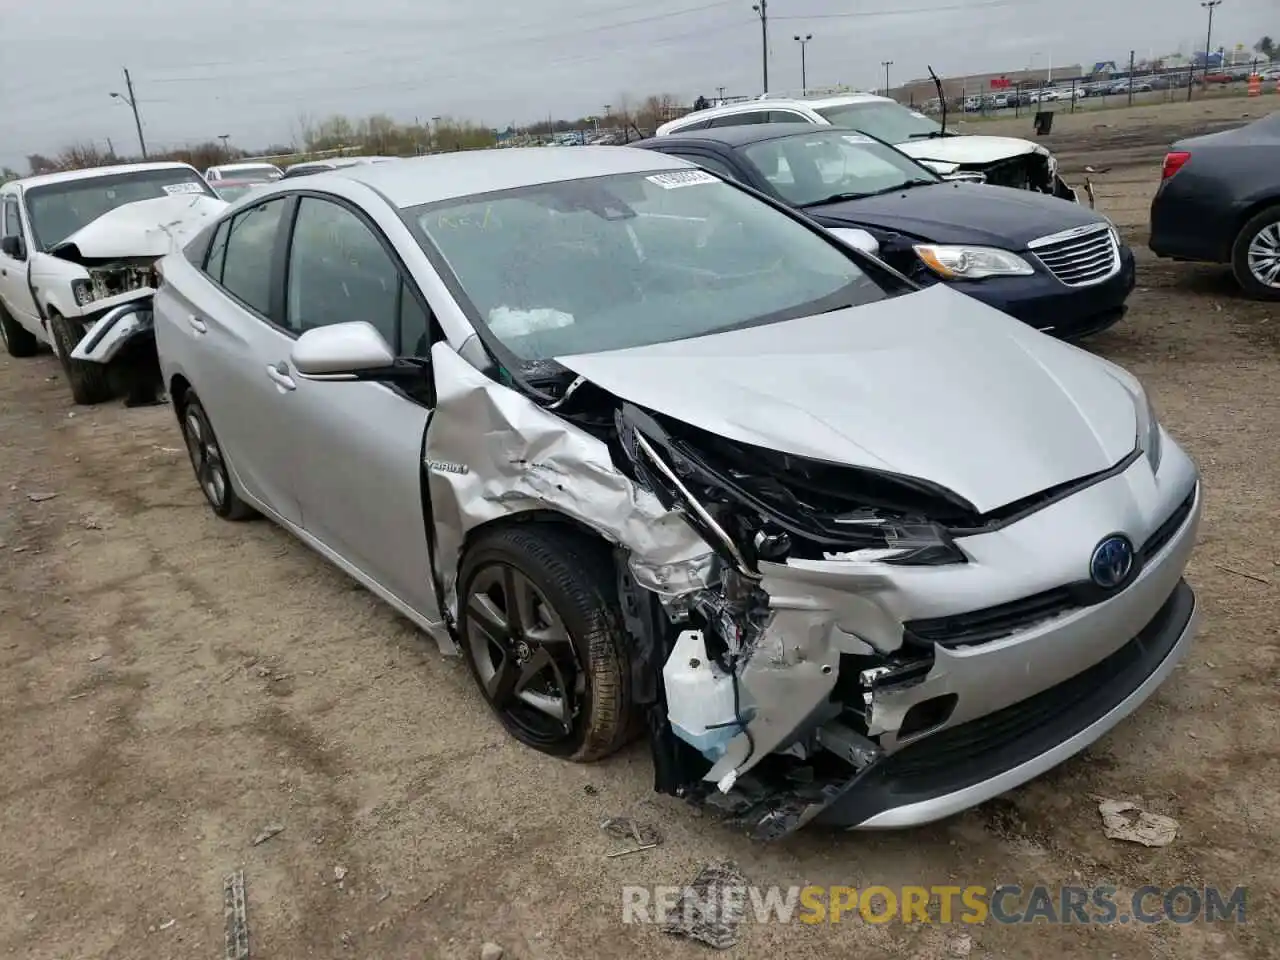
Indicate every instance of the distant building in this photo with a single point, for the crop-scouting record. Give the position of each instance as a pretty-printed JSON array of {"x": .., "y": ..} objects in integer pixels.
[{"x": 920, "y": 91}]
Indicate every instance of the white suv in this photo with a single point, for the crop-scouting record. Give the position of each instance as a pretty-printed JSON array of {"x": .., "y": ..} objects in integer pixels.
[
  {"x": 77, "y": 256},
  {"x": 1005, "y": 161}
]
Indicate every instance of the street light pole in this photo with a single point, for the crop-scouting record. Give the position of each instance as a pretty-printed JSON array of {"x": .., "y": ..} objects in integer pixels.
[
  {"x": 762, "y": 11},
  {"x": 224, "y": 137},
  {"x": 804, "y": 80},
  {"x": 132, "y": 101},
  {"x": 1208, "y": 41},
  {"x": 886, "y": 64}
]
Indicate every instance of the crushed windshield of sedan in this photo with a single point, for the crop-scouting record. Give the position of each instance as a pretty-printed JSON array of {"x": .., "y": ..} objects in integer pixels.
[
  {"x": 59, "y": 210},
  {"x": 891, "y": 122},
  {"x": 822, "y": 167},
  {"x": 630, "y": 260}
]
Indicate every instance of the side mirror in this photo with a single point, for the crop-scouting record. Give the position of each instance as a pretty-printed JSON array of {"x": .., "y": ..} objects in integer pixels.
[
  {"x": 343, "y": 351},
  {"x": 13, "y": 247},
  {"x": 858, "y": 239}
]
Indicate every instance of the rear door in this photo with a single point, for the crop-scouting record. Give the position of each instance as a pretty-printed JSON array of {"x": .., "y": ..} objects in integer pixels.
[
  {"x": 360, "y": 445},
  {"x": 236, "y": 352}
]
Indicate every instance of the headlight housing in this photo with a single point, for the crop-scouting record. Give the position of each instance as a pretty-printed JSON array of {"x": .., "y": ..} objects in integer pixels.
[
  {"x": 972, "y": 263},
  {"x": 1149, "y": 437},
  {"x": 83, "y": 291}
]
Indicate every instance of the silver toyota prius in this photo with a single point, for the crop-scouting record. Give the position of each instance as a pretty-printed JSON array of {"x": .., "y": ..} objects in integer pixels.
[{"x": 659, "y": 457}]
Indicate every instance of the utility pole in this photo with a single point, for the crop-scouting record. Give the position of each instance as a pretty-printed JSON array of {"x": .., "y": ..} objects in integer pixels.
[
  {"x": 1208, "y": 39},
  {"x": 762, "y": 11},
  {"x": 886, "y": 64},
  {"x": 132, "y": 101},
  {"x": 804, "y": 80},
  {"x": 1131, "y": 78},
  {"x": 720, "y": 90},
  {"x": 111, "y": 148},
  {"x": 224, "y": 137}
]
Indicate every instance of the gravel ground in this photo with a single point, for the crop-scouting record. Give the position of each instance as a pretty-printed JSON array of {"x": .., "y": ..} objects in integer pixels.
[{"x": 171, "y": 685}]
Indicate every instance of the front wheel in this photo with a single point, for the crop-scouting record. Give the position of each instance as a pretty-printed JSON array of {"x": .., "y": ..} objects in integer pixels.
[
  {"x": 1255, "y": 258},
  {"x": 542, "y": 635},
  {"x": 89, "y": 381}
]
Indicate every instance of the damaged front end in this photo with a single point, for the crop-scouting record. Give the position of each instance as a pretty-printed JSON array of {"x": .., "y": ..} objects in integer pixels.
[{"x": 1036, "y": 170}]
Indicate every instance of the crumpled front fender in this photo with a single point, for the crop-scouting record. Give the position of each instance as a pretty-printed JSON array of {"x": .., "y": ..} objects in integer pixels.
[
  {"x": 491, "y": 453},
  {"x": 113, "y": 331}
]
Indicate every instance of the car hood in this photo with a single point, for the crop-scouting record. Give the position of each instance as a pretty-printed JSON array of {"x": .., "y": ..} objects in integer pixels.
[
  {"x": 932, "y": 384},
  {"x": 145, "y": 228},
  {"x": 968, "y": 150},
  {"x": 961, "y": 213}
]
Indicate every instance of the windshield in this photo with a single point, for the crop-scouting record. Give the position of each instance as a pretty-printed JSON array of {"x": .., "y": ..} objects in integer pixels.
[
  {"x": 634, "y": 259},
  {"x": 812, "y": 168},
  {"x": 58, "y": 210},
  {"x": 891, "y": 122}
]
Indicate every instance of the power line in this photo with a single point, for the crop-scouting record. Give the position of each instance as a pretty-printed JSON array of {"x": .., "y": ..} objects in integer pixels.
[{"x": 857, "y": 14}]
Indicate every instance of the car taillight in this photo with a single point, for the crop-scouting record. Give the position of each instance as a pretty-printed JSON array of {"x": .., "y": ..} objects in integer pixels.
[{"x": 1173, "y": 162}]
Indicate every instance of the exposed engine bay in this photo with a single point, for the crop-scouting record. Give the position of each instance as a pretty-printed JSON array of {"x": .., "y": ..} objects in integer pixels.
[{"x": 115, "y": 279}]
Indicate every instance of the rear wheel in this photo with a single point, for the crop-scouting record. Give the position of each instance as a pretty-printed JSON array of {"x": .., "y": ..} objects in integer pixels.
[
  {"x": 1255, "y": 259},
  {"x": 541, "y": 633},
  {"x": 89, "y": 381},
  {"x": 207, "y": 461},
  {"x": 18, "y": 340}
]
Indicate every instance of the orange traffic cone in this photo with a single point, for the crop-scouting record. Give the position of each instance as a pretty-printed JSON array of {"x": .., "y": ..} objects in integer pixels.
[{"x": 1255, "y": 85}]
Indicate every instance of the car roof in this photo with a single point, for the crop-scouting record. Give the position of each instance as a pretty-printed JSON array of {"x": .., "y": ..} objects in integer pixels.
[
  {"x": 92, "y": 173},
  {"x": 244, "y": 165},
  {"x": 767, "y": 103},
  {"x": 446, "y": 176},
  {"x": 741, "y": 136}
]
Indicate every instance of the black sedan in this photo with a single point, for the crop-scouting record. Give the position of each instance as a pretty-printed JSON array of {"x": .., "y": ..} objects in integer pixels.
[
  {"x": 1055, "y": 265},
  {"x": 1219, "y": 202}
]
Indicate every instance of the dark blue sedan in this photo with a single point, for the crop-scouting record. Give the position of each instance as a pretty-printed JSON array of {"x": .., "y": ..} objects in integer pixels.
[{"x": 1055, "y": 265}]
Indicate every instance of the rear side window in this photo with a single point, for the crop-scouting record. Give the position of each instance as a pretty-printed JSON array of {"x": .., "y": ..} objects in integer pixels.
[
  {"x": 247, "y": 258},
  {"x": 740, "y": 119},
  {"x": 787, "y": 116}
]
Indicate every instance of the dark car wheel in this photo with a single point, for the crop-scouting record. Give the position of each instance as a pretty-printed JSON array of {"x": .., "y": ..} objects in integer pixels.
[
  {"x": 1255, "y": 259},
  {"x": 89, "y": 381},
  {"x": 19, "y": 341},
  {"x": 541, "y": 633},
  {"x": 208, "y": 463}
]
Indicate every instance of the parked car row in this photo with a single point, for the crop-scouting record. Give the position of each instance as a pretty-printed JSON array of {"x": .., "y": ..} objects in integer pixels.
[{"x": 655, "y": 450}]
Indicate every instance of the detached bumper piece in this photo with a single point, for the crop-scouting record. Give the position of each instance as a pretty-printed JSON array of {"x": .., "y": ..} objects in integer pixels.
[
  {"x": 951, "y": 771},
  {"x": 113, "y": 331}
]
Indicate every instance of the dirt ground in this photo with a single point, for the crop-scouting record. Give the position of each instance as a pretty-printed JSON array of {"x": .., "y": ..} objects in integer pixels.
[{"x": 170, "y": 685}]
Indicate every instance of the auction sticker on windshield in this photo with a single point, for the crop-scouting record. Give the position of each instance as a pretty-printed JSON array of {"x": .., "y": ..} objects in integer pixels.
[
  {"x": 187, "y": 187},
  {"x": 685, "y": 178}
]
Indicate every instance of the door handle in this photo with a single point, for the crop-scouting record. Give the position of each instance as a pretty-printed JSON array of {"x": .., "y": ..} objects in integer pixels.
[
  {"x": 198, "y": 325},
  {"x": 279, "y": 375}
]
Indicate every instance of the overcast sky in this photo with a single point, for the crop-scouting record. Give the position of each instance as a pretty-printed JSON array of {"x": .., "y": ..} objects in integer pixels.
[{"x": 249, "y": 69}]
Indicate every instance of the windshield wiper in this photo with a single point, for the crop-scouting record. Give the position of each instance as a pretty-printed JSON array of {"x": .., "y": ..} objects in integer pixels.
[
  {"x": 838, "y": 197},
  {"x": 931, "y": 135}
]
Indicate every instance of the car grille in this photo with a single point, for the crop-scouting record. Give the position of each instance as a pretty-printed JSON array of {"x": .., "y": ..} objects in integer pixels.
[
  {"x": 992, "y": 623},
  {"x": 1079, "y": 258}
]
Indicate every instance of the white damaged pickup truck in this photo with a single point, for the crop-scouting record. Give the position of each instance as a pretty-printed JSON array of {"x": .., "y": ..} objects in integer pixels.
[{"x": 77, "y": 267}]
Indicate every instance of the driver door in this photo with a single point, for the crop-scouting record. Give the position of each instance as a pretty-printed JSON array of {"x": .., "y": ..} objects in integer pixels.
[
  {"x": 360, "y": 444},
  {"x": 15, "y": 291}
]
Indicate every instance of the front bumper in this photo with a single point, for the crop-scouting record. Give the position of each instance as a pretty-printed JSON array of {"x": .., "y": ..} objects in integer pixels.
[
  {"x": 966, "y": 765},
  {"x": 1043, "y": 302},
  {"x": 114, "y": 331}
]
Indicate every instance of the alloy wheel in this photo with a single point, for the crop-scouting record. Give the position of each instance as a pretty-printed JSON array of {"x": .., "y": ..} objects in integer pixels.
[
  {"x": 206, "y": 458},
  {"x": 523, "y": 654},
  {"x": 1264, "y": 256}
]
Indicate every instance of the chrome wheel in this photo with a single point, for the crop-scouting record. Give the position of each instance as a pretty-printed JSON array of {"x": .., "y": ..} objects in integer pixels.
[
  {"x": 206, "y": 458},
  {"x": 523, "y": 655},
  {"x": 1264, "y": 256}
]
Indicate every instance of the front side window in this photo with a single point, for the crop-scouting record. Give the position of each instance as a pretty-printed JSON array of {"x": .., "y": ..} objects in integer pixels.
[
  {"x": 712, "y": 164},
  {"x": 890, "y": 122},
  {"x": 247, "y": 261},
  {"x": 634, "y": 259},
  {"x": 12, "y": 221},
  {"x": 339, "y": 272},
  {"x": 57, "y": 210},
  {"x": 824, "y": 166}
]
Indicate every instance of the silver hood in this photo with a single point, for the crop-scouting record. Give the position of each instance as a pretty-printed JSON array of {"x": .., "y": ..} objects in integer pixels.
[{"x": 933, "y": 384}]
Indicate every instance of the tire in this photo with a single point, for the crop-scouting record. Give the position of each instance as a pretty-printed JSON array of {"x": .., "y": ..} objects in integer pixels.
[
  {"x": 1260, "y": 236},
  {"x": 577, "y": 629},
  {"x": 208, "y": 463},
  {"x": 18, "y": 340},
  {"x": 89, "y": 381}
]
